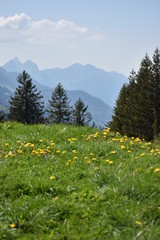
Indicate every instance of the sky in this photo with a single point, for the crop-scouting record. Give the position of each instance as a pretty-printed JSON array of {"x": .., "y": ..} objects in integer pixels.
[{"x": 111, "y": 34}]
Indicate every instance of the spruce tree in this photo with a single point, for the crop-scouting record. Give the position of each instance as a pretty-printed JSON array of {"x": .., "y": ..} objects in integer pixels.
[
  {"x": 144, "y": 113},
  {"x": 80, "y": 115},
  {"x": 119, "y": 112},
  {"x": 26, "y": 106},
  {"x": 156, "y": 92},
  {"x": 59, "y": 110}
]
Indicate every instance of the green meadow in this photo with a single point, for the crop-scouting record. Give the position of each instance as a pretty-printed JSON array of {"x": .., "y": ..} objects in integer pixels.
[{"x": 68, "y": 182}]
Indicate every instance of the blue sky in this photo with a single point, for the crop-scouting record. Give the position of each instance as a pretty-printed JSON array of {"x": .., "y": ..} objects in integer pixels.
[{"x": 110, "y": 34}]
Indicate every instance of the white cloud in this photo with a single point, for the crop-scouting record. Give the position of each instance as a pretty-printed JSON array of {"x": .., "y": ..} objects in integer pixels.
[
  {"x": 22, "y": 27},
  {"x": 14, "y": 22}
]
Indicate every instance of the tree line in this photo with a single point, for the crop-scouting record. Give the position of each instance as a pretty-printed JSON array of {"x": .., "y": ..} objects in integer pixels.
[
  {"x": 27, "y": 106},
  {"x": 137, "y": 109}
]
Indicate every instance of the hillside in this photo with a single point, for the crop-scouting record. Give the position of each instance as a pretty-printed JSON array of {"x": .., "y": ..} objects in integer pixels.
[{"x": 67, "y": 182}]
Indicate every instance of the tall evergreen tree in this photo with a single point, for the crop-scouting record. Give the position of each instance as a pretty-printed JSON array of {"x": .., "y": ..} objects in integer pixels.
[
  {"x": 80, "y": 115},
  {"x": 26, "y": 106},
  {"x": 144, "y": 113},
  {"x": 119, "y": 111},
  {"x": 59, "y": 109},
  {"x": 156, "y": 91}
]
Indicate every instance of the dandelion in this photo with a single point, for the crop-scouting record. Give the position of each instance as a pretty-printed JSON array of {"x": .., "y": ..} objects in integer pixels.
[
  {"x": 12, "y": 225},
  {"x": 6, "y": 144},
  {"x": 94, "y": 159},
  {"x": 107, "y": 161},
  {"x": 40, "y": 140},
  {"x": 19, "y": 151},
  {"x": 75, "y": 157},
  {"x": 121, "y": 140},
  {"x": 129, "y": 151},
  {"x": 52, "y": 143},
  {"x": 96, "y": 168},
  {"x": 68, "y": 162},
  {"x": 58, "y": 151},
  {"x": 91, "y": 154},
  {"x": 52, "y": 177},
  {"x": 110, "y": 162},
  {"x": 157, "y": 170},
  {"x": 113, "y": 152},
  {"x": 143, "y": 154},
  {"x": 85, "y": 158},
  {"x": 123, "y": 147},
  {"x": 131, "y": 142},
  {"x": 63, "y": 152},
  {"x": 138, "y": 223},
  {"x": 74, "y": 151},
  {"x": 27, "y": 144}
]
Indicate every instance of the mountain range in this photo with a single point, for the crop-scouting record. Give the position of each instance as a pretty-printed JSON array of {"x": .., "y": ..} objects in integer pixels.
[{"x": 97, "y": 88}]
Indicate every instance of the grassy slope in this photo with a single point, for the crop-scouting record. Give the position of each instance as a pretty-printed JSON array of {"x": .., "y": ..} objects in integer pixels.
[{"x": 65, "y": 182}]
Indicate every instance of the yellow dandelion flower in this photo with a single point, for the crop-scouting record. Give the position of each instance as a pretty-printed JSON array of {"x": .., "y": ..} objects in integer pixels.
[
  {"x": 6, "y": 144},
  {"x": 143, "y": 154},
  {"x": 91, "y": 154},
  {"x": 85, "y": 158},
  {"x": 94, "y": 159},
  {"x": 12, "y": 225},
  {"x": 121, "y": 140},
  {"x": 74, "y": 151},
  {"x": 113, "y": 152},
  {"x": 27, "y": 145},
  {"x": 123, "y": 147},
  {"x": 138, "y": 223},
  {"x": 110, "y": 162},
  {"x": 152, "y": 150},
  {"x": 75, "y": 157},
  {"x": 107, "y": 161},
  {"x": 52, "y": 177},
  {"x": 68, "y": 162},
  {"x": 96, "y": 168},
  {"x": 131, "y": 142},
  {"x": 52, "y": 143},
  {"x": 129, "y": 151},
  {"x": 19, "y": 151},
  {"x": 157, "y": 170},
  {"x": 40, "y": 140},
  {"x": 63, "y": 152},
  {"x": 58, "y": 151}
]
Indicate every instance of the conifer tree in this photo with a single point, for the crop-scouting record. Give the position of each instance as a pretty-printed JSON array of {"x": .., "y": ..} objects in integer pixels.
[
  {"x": 80, "y": 115},
  {"x": 137, "y": 111},
  {"x": 144, "y": 113},
  {"x": 59, "y": 109},
  {"x": 156, "y": 91},
  {"x": 119, "y": 111},
  {"x": 26, "y": 106}
]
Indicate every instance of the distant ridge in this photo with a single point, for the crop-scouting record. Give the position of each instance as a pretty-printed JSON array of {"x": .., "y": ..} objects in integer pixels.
[
  {"x": 95, "y": 81},
  {"x": 100, "y": 111}
]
